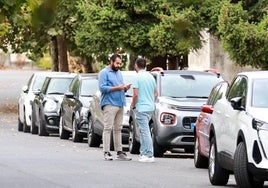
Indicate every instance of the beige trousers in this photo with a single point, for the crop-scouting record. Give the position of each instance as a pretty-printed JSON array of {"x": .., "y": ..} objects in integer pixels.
[{"x": 113, "y": 118}]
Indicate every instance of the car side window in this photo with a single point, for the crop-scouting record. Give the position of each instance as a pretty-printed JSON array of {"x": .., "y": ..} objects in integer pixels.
[
  {"x": 238, "y": 89},
  {"x": 213, "y": 94}
]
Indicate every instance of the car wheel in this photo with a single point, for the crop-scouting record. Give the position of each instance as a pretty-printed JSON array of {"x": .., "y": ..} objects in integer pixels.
[
  {"x": 76, "y": 137},
  {"x": 217, "y": 175},
  {"x": 134, "y": 146},
  {"x": 242, "y": 176},
  {"x": 33, "y": 127},
  {"x": 199, "y": 160},
  {"x": 20, "y": 125},
  {"x": 63, "y": 134},
  {"x": 41, "y": 129},
  {"x": 93, "y": 139},
  {"x": 112, "y": 142},
  {"x": 26, "y": 128},
  {"x": 158, "y": 150}
]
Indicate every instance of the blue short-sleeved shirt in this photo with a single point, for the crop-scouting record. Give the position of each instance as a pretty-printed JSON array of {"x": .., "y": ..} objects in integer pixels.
[
  {"x": 107, "y": 79},
  {"x": 146, "y": 84}
]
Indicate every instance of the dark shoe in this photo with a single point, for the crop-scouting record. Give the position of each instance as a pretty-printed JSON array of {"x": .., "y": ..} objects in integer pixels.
[
  {"x": 108, "y": 156},
  {"x": 122, "y": 156}
]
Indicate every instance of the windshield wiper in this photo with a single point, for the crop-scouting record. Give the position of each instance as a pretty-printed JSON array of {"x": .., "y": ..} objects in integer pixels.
[
  {"x": 200, "y": 97},
  {"x": 54, "y": 93}
]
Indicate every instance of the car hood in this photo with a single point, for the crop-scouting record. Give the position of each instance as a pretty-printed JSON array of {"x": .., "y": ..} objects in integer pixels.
[
  {"x": 58, "y": 98},
  {"x": 259, "y": 113},
  {"x": 85, "y": 101},
  {"x": 193, "y": 104}
]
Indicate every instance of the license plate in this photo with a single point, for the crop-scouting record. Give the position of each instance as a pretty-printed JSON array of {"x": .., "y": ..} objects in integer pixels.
[{"x": 192, "y": 126}]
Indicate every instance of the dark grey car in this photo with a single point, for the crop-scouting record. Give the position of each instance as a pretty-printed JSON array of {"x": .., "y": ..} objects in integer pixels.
[{"x": 75, "y": 107}]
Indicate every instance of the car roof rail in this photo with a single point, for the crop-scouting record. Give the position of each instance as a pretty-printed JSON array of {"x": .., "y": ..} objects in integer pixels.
[
  {"x": 159, "y": 69},
  {"x": 215, "y": 71}
]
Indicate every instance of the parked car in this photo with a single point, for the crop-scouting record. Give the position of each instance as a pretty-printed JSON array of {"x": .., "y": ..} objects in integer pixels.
[
  {"x": 181, "y": 95},
  {"x": 46, "y": 104},
  {"x": 26, "y": 97},
  {"x": 75, "y": 107},
  {"x": 202, "y": 125},
  {"x": 96, "y": 119},
  {"x": 239, "y": 132}
]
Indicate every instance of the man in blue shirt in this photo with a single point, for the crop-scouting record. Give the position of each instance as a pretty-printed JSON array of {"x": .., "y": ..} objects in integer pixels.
[
  {"x": 113, "y": 101},
  {"x": 144, "y": 96}
]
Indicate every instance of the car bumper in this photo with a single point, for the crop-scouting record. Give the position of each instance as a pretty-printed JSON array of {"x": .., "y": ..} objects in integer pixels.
[
  {"x": 259, "y": 172},
  {"x": 52, "y": 122}
]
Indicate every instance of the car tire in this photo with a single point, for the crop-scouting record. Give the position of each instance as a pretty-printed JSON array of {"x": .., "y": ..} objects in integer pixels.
[
  {"x": 134, "y": 146},
  {"x": 63, "y": 134},
  {"x": 158, "y": 150},
  {"x": 41, "y": 129},
  {"x": 217, "y": 175},
  {"x": 26, "y": 128},
  {"x": 20, "y": 125},
  {"x": 242, "y": 176},
  {"x": 112, "y": 142},
  {"x": 33, "y": 127},
  {"x": 93, "y": 139},
  {"x": 76, "y": 137},
  {"x": 199, "y": 160}
]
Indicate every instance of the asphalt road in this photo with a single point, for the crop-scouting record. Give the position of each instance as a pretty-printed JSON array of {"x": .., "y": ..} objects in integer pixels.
[{"x": 30, "y": 161}]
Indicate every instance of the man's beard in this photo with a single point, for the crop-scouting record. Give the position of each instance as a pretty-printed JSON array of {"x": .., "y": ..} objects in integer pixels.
[{"x": 115, "y": 68}]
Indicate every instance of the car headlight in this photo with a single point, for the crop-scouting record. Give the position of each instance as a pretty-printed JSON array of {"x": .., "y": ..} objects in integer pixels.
[
  {"x": 168, "y": 119},
  {"x": 259, "y": 125},
  {"x": 50, "y": 106}
]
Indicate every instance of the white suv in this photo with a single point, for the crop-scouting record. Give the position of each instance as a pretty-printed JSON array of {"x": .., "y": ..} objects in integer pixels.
[{"x": 239, "y": 132}]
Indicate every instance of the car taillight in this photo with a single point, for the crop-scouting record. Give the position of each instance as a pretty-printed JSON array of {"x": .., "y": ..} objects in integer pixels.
[{"x": 168, "y": 119}]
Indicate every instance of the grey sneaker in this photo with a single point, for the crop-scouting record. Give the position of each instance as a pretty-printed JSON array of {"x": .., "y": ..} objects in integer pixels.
[
  {"x": 122, "y": 156},
  {"x": 108, "y": 156}
]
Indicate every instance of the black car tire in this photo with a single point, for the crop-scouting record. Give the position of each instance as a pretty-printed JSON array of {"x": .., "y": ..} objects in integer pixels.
[
  {"x": 76, "y": 137},
  {"x": 243, "y": 177},
  {"x": 33, "y": 128},
  {"x": 42, "y": 129},
  {"x": 134, "y": 146},
  {"x": 112, "y": 142},
  {"x": 217, "y": 174},
  {"x": 26, "y": 128},
  {"x": 20, "y": 125},
  {"x": 94, "y": 140},
  {"x": 63, "y": 134},
  {"x": 199, "y": 160}
]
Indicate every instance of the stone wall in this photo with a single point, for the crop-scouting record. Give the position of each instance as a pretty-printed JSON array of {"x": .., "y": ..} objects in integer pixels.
[{"x": 212, "y": 56}]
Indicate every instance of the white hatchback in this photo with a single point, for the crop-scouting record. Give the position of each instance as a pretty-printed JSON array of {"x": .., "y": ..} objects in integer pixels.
[
  {"x": 26, "y": 97},
  {"x": 239, "y": 132}
]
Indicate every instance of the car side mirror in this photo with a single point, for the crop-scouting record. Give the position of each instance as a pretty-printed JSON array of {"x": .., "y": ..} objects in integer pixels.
[
  {"x": 207, "y": 109},
  {"x": 236, "y": 103},
  {"x": 25, "y": 89},
  {"x": 69, "y": 94},
  {"x": 37, "y": 92}
]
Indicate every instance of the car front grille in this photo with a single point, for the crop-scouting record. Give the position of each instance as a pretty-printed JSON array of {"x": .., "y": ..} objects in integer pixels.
[
  {"x": 186, "y": 108},
  {"x": 187, "y": 121}
]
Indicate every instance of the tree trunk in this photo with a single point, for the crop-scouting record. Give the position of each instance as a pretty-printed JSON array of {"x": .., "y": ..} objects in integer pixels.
[
  {"x": 158, "y": 61},
  {"x": 172, "y": 62},
  {"x": 54, "y": 54},
  {"x": 63, "y": 60},
  {"x": 87, "y": 65}
]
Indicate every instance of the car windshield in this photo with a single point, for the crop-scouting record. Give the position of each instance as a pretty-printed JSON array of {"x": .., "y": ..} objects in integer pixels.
[
  {"x": 188, "y": 86},
  {"x": 128, "y": 79},
  {"x": 259, "y": 93},
  {"x": 38, "y": 82},
  {"x": 89, "y": 87},
  {"x": 58, "y": 85}
]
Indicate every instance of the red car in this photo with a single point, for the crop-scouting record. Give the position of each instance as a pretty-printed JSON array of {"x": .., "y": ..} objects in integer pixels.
[{"x": 202, "y": 125}]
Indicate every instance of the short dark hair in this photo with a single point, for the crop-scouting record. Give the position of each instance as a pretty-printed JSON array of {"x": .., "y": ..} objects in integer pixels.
[
  {"x": 114, "y": 56},
  {"x": 141, "y": 63}
]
